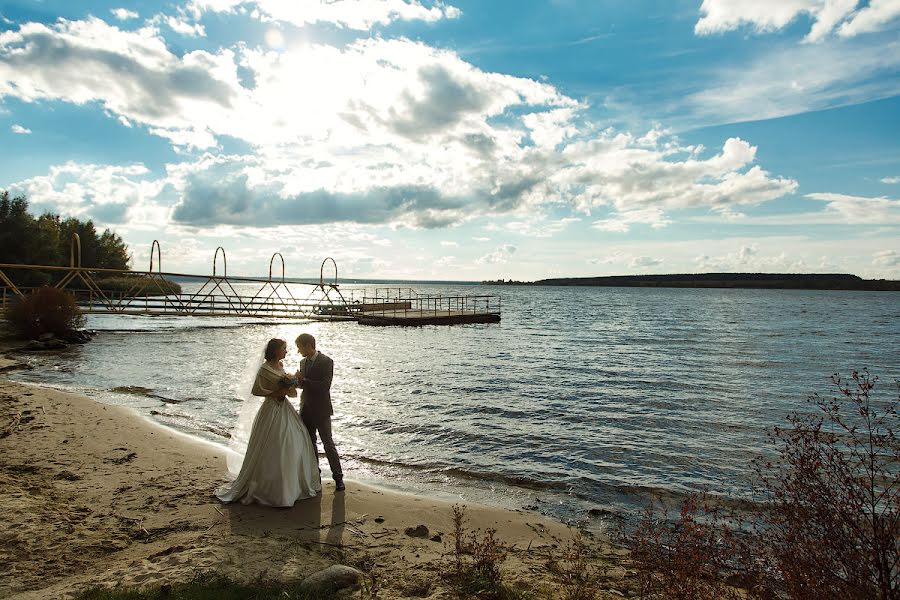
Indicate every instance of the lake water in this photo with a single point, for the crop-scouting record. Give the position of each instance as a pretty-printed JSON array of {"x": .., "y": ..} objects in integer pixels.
[{"x": 580, "y": 399}]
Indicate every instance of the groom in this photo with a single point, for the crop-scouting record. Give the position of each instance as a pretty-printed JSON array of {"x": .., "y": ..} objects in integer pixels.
[{"x": 314, "y": 377}]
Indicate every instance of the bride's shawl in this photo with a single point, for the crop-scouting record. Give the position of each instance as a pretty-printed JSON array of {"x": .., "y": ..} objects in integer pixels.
[{"x": 268, "y": 382}]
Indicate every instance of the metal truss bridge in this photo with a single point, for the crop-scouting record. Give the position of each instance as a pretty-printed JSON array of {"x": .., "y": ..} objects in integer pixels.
[{"x": 220, "y": 295}]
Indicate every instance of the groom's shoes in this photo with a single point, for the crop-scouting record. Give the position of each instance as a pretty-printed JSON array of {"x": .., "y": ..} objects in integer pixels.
[{"x": 339, "y": 486}]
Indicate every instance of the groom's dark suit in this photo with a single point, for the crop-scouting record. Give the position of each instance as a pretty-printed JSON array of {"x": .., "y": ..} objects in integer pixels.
[{"x": 318, "y": 371}]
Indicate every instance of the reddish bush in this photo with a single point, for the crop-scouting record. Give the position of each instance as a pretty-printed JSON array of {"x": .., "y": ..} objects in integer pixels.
[
  {"x": 831, "y": 528},
  {"x": 688, "y": 558},
  {"x": 45, "y": 310},
  {"x": 828, "y": 526}
]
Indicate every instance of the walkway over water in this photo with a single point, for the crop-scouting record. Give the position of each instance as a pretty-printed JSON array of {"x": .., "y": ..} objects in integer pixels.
[{"x": 275, "y": 297}]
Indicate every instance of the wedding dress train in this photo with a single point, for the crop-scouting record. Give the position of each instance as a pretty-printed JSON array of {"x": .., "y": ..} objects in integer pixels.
[{"x": 280, "y": 465}]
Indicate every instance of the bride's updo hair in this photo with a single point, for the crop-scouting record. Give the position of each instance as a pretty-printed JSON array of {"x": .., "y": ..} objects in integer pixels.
[{"x": 273, "y": 347}]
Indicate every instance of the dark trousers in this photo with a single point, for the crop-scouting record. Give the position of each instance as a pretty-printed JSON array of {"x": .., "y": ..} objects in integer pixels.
[{"x": 323, "y": 426}]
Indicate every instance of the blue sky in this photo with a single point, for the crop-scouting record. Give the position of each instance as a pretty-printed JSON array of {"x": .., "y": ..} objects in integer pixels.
[{"x": 465, "y": 140}]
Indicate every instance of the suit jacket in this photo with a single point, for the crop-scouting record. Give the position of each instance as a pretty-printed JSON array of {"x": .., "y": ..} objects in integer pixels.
[{"x": 316, "y": 386}]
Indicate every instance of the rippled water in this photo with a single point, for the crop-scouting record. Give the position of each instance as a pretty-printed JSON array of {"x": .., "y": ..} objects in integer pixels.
[{"x": 581, "y": 398}]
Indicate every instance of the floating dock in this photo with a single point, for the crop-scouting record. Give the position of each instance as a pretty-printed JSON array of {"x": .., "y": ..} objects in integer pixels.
[{"x": 411, "y": 309}]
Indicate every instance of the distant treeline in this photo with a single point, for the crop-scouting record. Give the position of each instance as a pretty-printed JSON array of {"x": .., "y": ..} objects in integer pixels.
[
  {"x": 792, "y": 281},
  {"x": 46, "y": 240}
]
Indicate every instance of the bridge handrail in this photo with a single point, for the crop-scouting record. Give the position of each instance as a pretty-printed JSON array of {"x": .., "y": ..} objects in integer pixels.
[{"x": 137, "y": 272}]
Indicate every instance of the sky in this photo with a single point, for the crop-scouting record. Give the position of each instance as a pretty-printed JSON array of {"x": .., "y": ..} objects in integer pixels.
[{"x": 464, "y": 140}]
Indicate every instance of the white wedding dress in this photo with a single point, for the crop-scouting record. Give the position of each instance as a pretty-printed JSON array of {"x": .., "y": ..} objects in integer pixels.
[{"x": 280, "y": 465}]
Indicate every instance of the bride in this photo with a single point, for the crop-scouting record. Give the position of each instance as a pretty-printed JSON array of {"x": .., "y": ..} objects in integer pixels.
[{"x": 280, "y": 465}]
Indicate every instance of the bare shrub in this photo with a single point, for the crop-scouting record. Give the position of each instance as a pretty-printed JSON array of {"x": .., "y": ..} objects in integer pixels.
[
  {"x": 577, "y": 577},
  {"x": 476, "y": 561},
  {"x": 687, "y": 558},
  {"x": 832, "y": 525},
  {"x": 45, "y": 310}
]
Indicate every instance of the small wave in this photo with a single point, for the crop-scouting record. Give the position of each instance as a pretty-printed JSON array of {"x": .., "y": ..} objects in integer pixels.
[
  {"x": 190, "y": 423},
  {"x": 136, "y": 390}
]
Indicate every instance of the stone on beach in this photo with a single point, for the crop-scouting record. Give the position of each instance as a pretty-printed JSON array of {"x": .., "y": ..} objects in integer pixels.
[
  {"x": 332, "y": 579},
  {"x": 419, "y": 531}
]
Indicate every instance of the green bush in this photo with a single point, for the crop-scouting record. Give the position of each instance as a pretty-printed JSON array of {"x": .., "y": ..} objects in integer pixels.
[{"x": 45, "y": 310}]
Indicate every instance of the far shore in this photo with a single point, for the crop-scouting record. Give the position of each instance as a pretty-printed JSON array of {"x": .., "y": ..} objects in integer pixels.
[
  {"x": 771, "y": 281},
  {"x": 99, "y": 495}
]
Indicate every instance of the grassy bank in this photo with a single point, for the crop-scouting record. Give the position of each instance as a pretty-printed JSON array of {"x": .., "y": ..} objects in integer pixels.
[{"x": 139, "y": 286}]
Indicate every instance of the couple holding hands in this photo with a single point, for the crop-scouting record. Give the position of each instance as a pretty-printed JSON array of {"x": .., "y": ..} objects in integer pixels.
[{"x": 281, "y": 465}]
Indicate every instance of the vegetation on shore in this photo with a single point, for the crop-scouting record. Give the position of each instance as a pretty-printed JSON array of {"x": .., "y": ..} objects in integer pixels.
[
  {"x": 828, "y": 525},
  {"x": 45, "y": 310},
  {"x": 46, "y": 240}
]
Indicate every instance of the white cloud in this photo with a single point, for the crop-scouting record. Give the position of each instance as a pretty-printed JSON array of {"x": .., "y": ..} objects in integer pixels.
[
  {"x": 378, "y": 131},
  {"x": 501, "y": 255},
  {"x": 123, "y": 14},
  {"x": 131, "y": 73},
  {"x": 644, "y": 262},
  {"x": 643, "y": 185},
  {"x": 765, "y": 16},
  {"x": 873, "y": 17},
  {"x": 352, "y": 14},
  {"x": 890, "y": 180},
  {"x": 180, "y": 25},
  {"x": 537, "y": 226},
  {"x": 107, "y": 194},
  {"x": 16, "y": 128},
  {"x": 797, "y": 79},
  {"x": 746, "y": 260},
  {"x": 860, "y": 210},
  {"x": 886, "y": 258},
  {"x": 449, "y": 244}
]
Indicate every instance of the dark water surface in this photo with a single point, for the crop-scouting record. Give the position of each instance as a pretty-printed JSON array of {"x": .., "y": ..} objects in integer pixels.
[{"x": 582, "y": 398}]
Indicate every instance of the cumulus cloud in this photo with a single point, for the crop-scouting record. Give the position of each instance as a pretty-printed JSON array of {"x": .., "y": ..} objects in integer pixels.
[
  {"x": 847, "y": 17},
  {"x": 123, "y": 14},
  {"x": 753, "y": 262},
  {"x": 131, "y": 73},
  {"x": 643, "y": 262},
  {"x": 874, "y": 17},
  {"x": 180, "y": 25},
  {"x": 16, "y": 128},
  {"x": 376, "y": 131},
  {"x": 501, "y": 255},
  {"x": 110, "y": 195},
  {"x": 643, "y": 185},
  {"x": 352, "y": 14}
]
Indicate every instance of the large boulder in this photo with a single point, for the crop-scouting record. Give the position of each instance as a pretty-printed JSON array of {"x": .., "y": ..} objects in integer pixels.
[{"x": 332, "y": 579}]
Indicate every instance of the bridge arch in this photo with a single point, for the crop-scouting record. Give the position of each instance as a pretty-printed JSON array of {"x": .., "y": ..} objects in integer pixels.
[
  {"x": 155, "y": 246},
  {"x": 322, "y": 272},
  {"x": 271, "y": 261},
  {"x": 75, "y": 251},
  {"x": 224, "y": 262}
]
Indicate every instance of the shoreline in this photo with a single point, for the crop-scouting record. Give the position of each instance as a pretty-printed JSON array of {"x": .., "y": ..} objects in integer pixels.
[{"x": 98, "y": 494}]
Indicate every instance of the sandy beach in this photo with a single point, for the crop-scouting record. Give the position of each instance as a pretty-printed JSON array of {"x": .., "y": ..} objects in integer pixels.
[{"x": 98, "y": 495}]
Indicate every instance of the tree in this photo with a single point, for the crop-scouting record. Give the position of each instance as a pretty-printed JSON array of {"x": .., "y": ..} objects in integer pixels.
[{"x": 47, "y": 240}]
